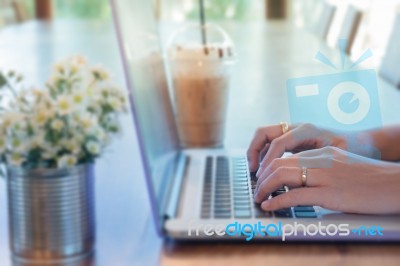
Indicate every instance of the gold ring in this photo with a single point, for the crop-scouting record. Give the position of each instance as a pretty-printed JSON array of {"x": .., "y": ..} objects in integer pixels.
[
  {"x": 284, "y": 126},
  {"x": 303, "y": 176}
]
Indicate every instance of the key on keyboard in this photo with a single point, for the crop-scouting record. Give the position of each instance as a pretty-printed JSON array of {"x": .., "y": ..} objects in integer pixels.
[
  {"x": 241, "y": 195},
  {"x": 207, "y": 189},
  {"x": 222, "y": 191}
]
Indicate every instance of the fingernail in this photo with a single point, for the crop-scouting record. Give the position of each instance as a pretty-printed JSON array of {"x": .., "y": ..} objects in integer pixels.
[
  {"x": 266, "y": 205},
  {"x": 255, "y": 197},
  {"x": 260, "y": 168},
  {"x": 256, "y": 201},
  {"x": 259, "y": 172},
  {"x": 250, "y": 165}
]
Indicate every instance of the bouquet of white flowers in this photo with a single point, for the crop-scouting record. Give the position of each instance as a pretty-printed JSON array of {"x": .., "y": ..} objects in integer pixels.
[{"x": 68, "y": 122}]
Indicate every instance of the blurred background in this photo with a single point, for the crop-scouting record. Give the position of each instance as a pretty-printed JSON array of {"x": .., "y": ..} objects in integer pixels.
[
  {"x": 378, "y": 15},
  {"x": 48, "y": 30}
]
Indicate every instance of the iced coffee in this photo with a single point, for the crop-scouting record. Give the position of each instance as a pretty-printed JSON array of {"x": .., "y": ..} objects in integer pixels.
[{"x": 201, "y": 77}]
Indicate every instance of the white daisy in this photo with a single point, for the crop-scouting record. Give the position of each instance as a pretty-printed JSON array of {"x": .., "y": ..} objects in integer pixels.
[
  {"x": 42, "y": 98},
  {"x": 50, "y": 152},
  {"x": 38, "y": 93},
  {"x": 18, "y": 145},
  {"x": 57, "y": 124},
  {"x": 41, "y": 116},
  {"x": 59, "y": 68},
  {"x": 16, "y": 159},
  {"x": 78, "y": 98},
  {"x": 99, "y": 73},
  {"x": 37, "y": 141},
  {"x": 93, "y": 147},
  {"x": 64, "y": 105},
  {"x": 88, "y": 122},
  {"x": 66, "y": 161},
  {"x": 11, "y": 118},
  {"x": 99, "y": 134},
  {"x": 73, "y": 146},
  {"x": 115, "y": 103},
  {"x": 78, "y": 59}
]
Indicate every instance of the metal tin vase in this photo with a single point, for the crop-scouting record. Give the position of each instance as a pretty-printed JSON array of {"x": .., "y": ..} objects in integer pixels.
[{"x": 51, "y": 213}]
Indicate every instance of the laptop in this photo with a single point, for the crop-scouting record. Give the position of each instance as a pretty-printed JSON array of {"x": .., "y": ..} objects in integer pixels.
[{"x": 207, "y": 194}]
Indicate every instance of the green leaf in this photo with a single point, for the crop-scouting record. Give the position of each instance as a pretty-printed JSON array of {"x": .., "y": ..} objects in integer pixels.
[
  {"x": 3, "y": 80},
  {"x": 19, "y": 78},
  {"x": 2, "y": 170}
]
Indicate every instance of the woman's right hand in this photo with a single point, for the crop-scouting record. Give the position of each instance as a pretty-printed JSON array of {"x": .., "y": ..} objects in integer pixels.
[
  {"x": 331, "y": 178},
  {"x": 270, "y": 143}
]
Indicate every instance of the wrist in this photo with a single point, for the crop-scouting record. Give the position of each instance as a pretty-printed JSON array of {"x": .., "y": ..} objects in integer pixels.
[
  {"x": 340, "y": 141},
  {"x": 362, "y": 143}
]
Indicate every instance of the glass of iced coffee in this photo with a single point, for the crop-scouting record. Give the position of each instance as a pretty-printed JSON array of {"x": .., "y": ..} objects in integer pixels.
[{"x": 201, "y": 72}]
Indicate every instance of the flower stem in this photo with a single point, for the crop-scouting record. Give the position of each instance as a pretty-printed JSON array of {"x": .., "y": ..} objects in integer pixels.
[{"x": 14, "y": 93}]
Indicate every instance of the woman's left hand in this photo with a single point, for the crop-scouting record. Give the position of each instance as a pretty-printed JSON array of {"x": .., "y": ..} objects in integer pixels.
[{"x": 336, "y": 180}]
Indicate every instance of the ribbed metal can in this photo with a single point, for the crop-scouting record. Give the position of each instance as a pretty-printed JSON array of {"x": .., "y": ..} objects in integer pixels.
[{"x": 51, "y": 213}]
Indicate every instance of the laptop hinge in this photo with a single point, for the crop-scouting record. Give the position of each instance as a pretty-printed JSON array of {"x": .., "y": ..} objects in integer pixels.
[{"x": 176, "y": 188}]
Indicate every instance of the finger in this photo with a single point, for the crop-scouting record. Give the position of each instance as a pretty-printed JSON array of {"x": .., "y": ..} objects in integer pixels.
[
  {"x": 279, "y": 178},
  {"x": 286, "y": 142},
  {"x": 315, "y": 152},
  {"x": 286, "y": 176},
  {"x": 318, "y": 158},
  {"x": 272, "y": 167},
  {"x": 263, "y": 152},
  {"x": 295, "y": 197},
  {"x": 261, "y": 138},
  {"x": 302, "y": 148},
  {"x": 317, "y": 161}
]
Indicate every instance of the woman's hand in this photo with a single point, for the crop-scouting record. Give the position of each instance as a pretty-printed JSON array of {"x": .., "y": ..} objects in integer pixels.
[
  {"x": 270, "y": 143},
  {"x": 336, "y": 180}
]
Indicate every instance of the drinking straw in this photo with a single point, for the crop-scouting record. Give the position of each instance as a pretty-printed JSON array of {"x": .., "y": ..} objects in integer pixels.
[{"x": 203, "y": 23}]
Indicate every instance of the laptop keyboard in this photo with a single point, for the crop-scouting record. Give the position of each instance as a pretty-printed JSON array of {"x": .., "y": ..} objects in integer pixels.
[{"x": 228, "y": 192}]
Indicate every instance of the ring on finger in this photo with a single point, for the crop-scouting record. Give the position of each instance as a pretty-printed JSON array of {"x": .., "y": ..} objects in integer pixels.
[
  {"x": 284, "y": 126},
  {"x": 304, "y": 173}
]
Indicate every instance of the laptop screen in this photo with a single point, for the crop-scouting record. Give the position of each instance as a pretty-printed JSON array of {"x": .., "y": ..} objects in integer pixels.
[{"x": 148, "y": 87}]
